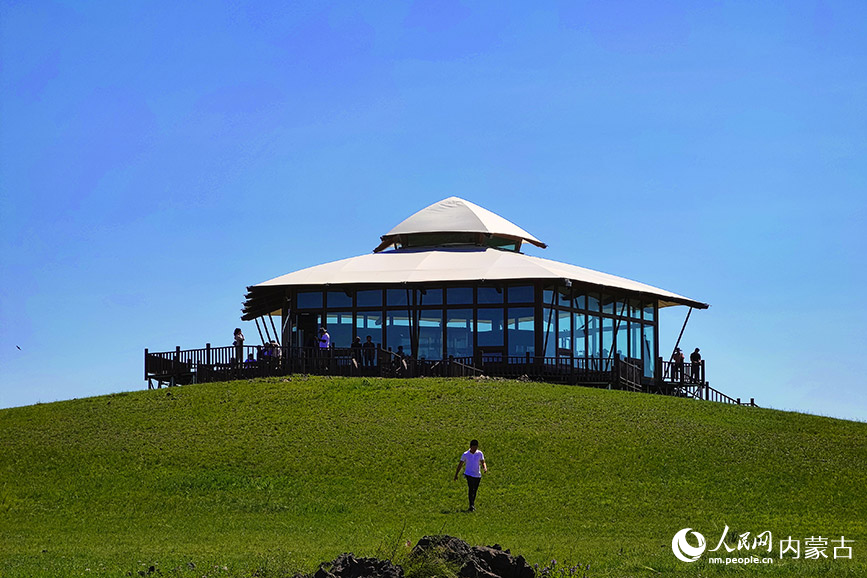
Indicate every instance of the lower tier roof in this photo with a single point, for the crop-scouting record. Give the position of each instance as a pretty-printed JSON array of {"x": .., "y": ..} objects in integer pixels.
[{"x": 446, "y": 265}]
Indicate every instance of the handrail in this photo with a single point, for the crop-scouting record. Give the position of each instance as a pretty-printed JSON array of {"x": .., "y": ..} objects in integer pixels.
[
  {"x": 180, "y": 367},
  {"x": 686, "y": 372}
]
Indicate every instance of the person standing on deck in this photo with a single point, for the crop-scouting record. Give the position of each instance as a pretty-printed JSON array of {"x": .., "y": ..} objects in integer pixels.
[
  {"x": 369, "y": 351},
  {"x": 324, "y": 338},
  {"x": 239, "y": 345},
  {"x": 695, "y": 365},
  {"x": 473, "y": 462},
  {"x": 677, "y": 365}
]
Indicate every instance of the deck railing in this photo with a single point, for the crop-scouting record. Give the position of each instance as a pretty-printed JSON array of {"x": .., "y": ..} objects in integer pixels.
[
  {"x": 208, "y": 364},
  {"x": 707, "y": 393},
  {"x": 692, "y": 373}
]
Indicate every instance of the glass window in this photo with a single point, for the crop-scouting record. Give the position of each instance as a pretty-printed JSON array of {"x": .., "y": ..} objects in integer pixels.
[
  {"x": 635, "y": 309},
  {"x": 337, "y": 299},
  {"x": 607, "y": 342},
  {"x": 396, "y": 297},
  {"x": 580, "y": 332},
  {"x": 549, "y": 336},
  {"x": 459, "y": 295},
  {"x": 621, "y": 345},
  {"x": 430, "y": 297},
  {"x": 648, "y": 312},
  {"x": 369, "y": 298},
  {"x": 548, "y": 296},
  {"x": 397, "y": 331},
  {"x": 339, "y": 326},
  {"x": 490, "y": 294},
  {"x": 621, "y": 309},
  {"x": 309, "y": 300},
  {"x": 521, "y": 294},
  {"x": 430, "y": 334},
  {"x": 635, "y": 341},
  {"x": 594, "y": 340},
  {"x": 608, "y": 304},
  {"x": 564, "y": 296},
  {"x": 564, "y": 332},
  {"x": 522, "y": 331},
  {"x": 581, "y": 301},
  {"x": 369, "y": 323},
  {"x": 459, "y": 332},
  {"x": 648, "y": 349},
  {"x": 490, "y": 327},
  {"x": 592, "y": 302}
]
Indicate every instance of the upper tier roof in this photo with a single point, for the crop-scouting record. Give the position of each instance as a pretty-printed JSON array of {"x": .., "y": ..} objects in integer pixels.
[{"x": 456, "y": 215}]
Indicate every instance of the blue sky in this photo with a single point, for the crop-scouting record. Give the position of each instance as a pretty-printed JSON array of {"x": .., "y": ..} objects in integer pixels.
[{"x": 158, "y": 157}]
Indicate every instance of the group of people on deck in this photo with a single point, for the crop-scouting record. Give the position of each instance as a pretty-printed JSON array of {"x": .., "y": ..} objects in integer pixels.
[
  {"x": 677, "y": 364},
  {"x": 363, "y": 354}
]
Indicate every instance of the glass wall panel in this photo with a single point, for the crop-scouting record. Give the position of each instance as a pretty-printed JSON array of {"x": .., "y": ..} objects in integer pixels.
[
  {"x": 635, "y": 308},
  {"x": 490, "y": 328},
  {"x": 396, "y": 297},
  {"x": 520, "y": 294},
  {"x": 564, "y": 296},
  {"x": 581, "y": 301},
  {"x": 648, "y": 351},
  {"x": 608, "y": 304},
  {"x": 338, "y": 299},
  {"x": 309, "y": 300},
  {"x": 490, "y": 295},
  {"x": 369, "y": 323},
  {"x": 521, "y": 328},
  {"x": 607, "y": 342},
  {"x": 430, "y": 334},
  {"x": 369, "y": 298},
  {"x": 594, "y": 340},
  {"x": 339, "y": 326},
  {"x": 648, "y": 312},
  {"x": 549, "y": 331},
  {"x": 621, "y": 345},
  {"x": 548, "y": 296},
  {"x": 621, "y": 308},
  {"x": 430, "y": 297},
  {"x": 580, "y": 332},
  {"x": 397, "y": 331},
  {"x": 635, "y": 341},
  {"x": 593, "y": 302},
  {"x": 459, "y": 332},
  {"x": 564, "y": 332},
  {"x": 459, "y": 295}
]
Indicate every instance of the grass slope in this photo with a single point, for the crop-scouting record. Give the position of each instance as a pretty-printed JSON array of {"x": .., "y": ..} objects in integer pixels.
[{"x": 268, "y": 477}]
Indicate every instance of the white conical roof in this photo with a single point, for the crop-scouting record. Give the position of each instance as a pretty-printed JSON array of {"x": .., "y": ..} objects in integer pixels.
[{"x": 456, "y": 215}]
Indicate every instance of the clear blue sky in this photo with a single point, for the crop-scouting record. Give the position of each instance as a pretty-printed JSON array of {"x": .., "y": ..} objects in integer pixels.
[{"x": 158, "y": 157}]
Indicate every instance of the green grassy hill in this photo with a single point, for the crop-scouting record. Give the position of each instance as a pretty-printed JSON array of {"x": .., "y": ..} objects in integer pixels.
[{"x": 268, "y": 477}]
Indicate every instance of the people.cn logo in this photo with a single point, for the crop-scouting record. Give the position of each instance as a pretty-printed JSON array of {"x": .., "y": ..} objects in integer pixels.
[{"x": 683, "y": 550}]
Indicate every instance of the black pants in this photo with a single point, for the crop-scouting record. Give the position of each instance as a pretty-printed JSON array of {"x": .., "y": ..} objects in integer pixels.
[{"x": 472, "y": 488}]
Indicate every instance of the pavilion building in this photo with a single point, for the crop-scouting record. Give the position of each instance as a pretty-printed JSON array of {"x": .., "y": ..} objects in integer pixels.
[{"x": 451, "y": 281}]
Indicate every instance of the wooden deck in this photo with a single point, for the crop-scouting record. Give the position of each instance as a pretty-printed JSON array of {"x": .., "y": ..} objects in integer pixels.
[{"x": 209, "y": 364}]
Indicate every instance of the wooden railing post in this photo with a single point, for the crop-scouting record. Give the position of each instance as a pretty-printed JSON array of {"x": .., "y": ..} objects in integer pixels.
[{"x": 616, "y": 374}]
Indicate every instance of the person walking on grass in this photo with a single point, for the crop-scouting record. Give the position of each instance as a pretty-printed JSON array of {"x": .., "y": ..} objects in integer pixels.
[{"x": 473, "y": 462}]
